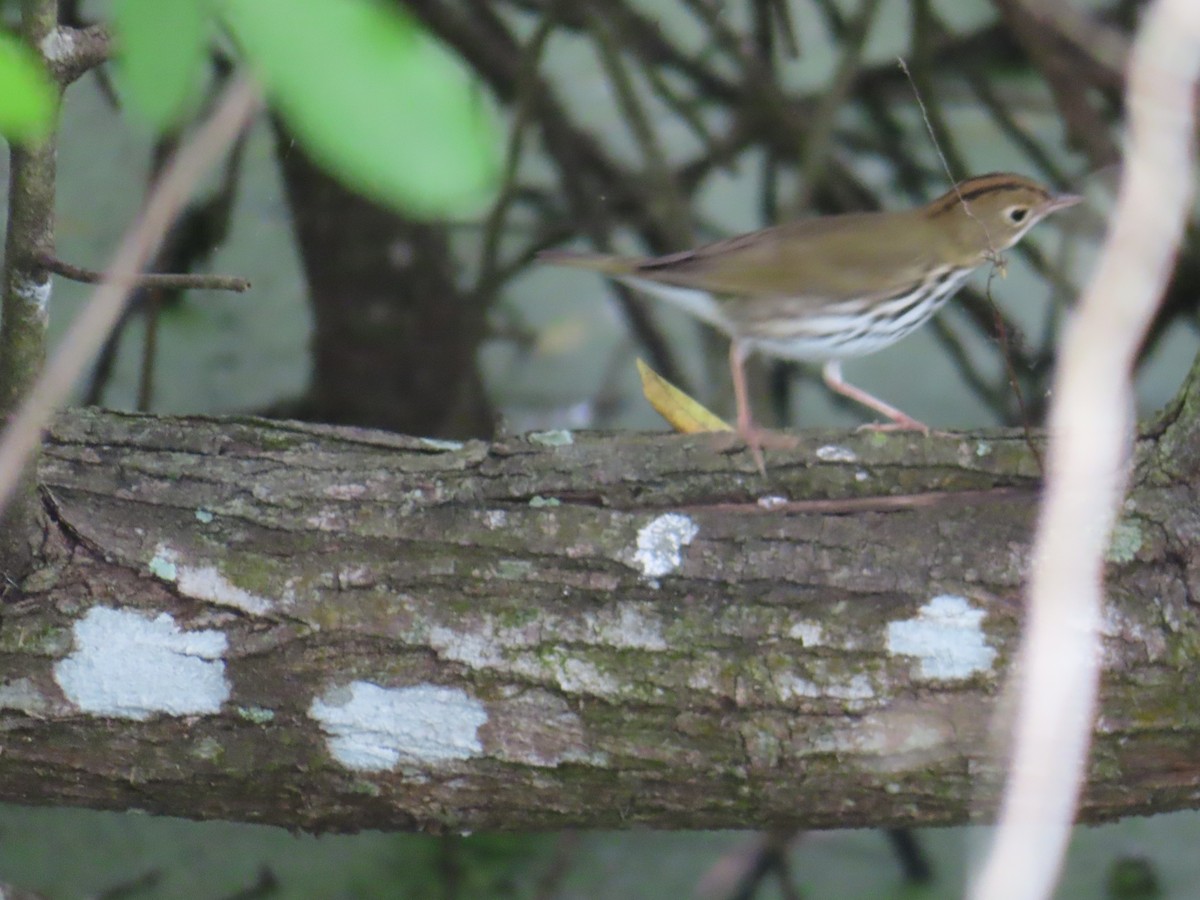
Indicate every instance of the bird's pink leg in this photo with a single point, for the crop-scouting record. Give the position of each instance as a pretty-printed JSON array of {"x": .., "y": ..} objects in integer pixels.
[
  {"x": 754, "y": 437},
  {"x": 832, "y": 373},
  {"x": 745, "y": 421}
]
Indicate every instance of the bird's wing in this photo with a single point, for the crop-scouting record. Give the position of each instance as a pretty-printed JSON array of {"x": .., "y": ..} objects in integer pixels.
[{"x": 826, "y": 260}]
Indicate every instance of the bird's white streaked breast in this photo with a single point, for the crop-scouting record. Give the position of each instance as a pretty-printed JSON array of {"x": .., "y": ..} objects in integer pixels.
[{"x": 838, "y": 335}]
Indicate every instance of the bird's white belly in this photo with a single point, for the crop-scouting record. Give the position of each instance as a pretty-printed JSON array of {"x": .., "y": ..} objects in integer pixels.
[
  {"x": 843, "y": 335},
  {"x": 832, "y": 334}
]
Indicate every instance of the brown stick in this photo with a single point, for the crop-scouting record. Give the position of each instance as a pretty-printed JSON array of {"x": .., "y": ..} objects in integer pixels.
[{"x": 184, "y": 280}]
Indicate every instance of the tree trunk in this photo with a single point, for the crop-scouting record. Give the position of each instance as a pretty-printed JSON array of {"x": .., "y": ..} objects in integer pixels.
[
  {"x": 395, "y": 335},
  {"x": 328, "y": 628}
]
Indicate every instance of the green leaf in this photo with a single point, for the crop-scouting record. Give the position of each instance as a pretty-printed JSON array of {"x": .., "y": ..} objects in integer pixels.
[
  {"x": 161, "y": 46},
  {"x": 374, "y": 99},
  {"x": 27, "y": 96}
]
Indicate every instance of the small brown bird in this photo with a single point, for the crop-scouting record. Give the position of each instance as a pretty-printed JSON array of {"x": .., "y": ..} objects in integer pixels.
[{"x": 835, "y": 287}]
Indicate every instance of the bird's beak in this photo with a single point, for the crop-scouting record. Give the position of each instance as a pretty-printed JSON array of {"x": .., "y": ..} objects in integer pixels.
[{"x": 1062, "y": 201}]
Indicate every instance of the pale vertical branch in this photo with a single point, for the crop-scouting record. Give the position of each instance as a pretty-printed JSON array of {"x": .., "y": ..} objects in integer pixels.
[
  {"x": 93, "y": 323},
  {"x": 1091, "y": 426}
]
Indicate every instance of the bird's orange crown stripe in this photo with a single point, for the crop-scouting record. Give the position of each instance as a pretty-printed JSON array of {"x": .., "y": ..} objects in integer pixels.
[{"x": 974, "y": 188}]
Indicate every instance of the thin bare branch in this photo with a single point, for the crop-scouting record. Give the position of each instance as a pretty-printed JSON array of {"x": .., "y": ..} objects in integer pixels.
[
  {"x": 1085, "y": 126},
  {"x": 194, "y": 159},
  {"x": 820, "y": 144},
  {"x": 674, "y": 216},
  {"x": 497, "y": 223},
  {"x": 182, "y": 280}
]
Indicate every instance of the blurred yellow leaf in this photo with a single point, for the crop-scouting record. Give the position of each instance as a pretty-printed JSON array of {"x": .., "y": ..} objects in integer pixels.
[
  {"x": 562, "y": 337},
  {"x": 682, "y": 412}
]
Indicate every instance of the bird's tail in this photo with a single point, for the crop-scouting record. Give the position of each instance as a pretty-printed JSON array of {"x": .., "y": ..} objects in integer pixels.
[{"x": 604, "y": 263}]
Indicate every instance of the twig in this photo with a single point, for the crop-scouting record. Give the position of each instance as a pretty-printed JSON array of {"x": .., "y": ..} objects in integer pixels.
[
  {"x": 820, "y": 142},
  {"x": 265, "y": 885},
  {"x": 196, "y": 233},
  {"x": 909, "y": 175},
  {"x": 1102, "y": 46},
  {"x": 674, "y": 216},
  {"x": 910, "y": 855},
  {"x": 775, "y": 17},
  {"x": 495, "y": 227},
  {"x": 931, "y": 110},
  {"x": 981, "y": 86},
  {"x": 591, "y": 181},
  {"x": 237, "y": 105},
  {"x": 687, "y": 110},
  {"x": 73, "y": 52},
  {"x": 738, "y": 874},
  {"x": 643, "y": 36},
  {"x": 182, "y": 281},
  {"x": 1084, "y": 124},
  {"x": 1091, "y": 428},
  {"x": 131, "y": 887}
]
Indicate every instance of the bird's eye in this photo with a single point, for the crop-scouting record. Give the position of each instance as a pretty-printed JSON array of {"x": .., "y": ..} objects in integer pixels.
[{"x": 1016, "y": 214}]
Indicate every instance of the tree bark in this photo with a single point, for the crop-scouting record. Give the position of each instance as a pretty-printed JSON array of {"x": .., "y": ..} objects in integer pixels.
[{"x": 328, "y": 628}]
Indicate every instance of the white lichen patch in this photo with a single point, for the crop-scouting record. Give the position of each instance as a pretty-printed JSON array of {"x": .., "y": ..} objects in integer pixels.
[
  {"x": 483, "y": 649},
  {"x": 208, "y": 749},
  {"x": 205, "y": 583},
  {"x": 520, "y": 651},
  {"x": 705, "y": 675},
  {"x": 1125, "y": 542},
  {"x": 259, "y": 715},
  {"x": 347, "y": 578},
  {"x": 374, "y": 729},
  {"x": 1125, "y": 633},
  {"x": 162, "y": 564},
  {"x": 352, "y": 491},
  {"x": 439, "y": 444},
  {"x": 326, "y": 520},
  {"x": 133, "y": 667},
  {"x": 23, "y": 695},
  {"x": 627, "y": 627},
  {"x": 559, "y": 437},
  {"x": 946, "y": 637},
  {"x": 579, "y": 676},
  {"x": 58, "y": 45},
  {"x": 807, "y": 632},
  {"x": 495, "y": 518},
  {"x": 836, "y": 453},
  {"x": 792, "y": 687},
  {"x": 896, "y": 737},
  {"x": 34, "y": 293},
  {"x": 660, "y": 544}
]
